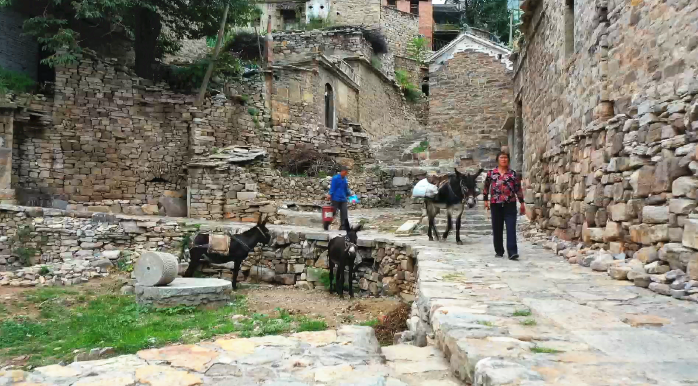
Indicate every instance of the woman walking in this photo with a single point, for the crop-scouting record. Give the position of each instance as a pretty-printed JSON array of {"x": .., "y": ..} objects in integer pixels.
[{"x": 503, "y": 187}]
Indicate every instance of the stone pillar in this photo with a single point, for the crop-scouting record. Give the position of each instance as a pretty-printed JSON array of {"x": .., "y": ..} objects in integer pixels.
[{"x": 7, "y": 194}]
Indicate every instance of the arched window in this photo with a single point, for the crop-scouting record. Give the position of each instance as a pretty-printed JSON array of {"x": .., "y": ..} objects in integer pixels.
[{"x": 329, "y": 106}]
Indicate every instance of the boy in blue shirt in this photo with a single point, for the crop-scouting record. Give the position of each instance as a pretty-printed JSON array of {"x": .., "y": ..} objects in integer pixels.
[{"x": 339, "y": 194}]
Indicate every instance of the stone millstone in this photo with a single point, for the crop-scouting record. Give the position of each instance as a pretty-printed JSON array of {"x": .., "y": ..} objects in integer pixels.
[{"x": 156, "y": 269}]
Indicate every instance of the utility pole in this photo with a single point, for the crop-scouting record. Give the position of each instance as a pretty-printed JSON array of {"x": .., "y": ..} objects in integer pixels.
[{"x": 511, "y": 29}]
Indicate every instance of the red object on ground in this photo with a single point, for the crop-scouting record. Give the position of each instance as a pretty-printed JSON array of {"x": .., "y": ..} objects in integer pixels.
[{"x": 327, "y": 213}]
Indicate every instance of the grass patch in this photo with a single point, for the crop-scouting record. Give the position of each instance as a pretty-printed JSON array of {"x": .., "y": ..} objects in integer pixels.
[
  {"x": 12, "y": 81},
  {"x": 69, "y": 320},
  {"x": 522, "y": 313},
  {"x": 423, "y": 146},
  {"x": 485, "y": 323},
  {"x": 452, "y": 277},
  {"x": 370, "y": 323},
  {"x": 529, "y": 322},
  {"x": 544, "y": 350}
]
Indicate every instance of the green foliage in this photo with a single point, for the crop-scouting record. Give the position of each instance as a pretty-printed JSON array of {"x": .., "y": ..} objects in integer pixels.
[
  {"x": 253, "y": 111},
  {"x": 172, "y": 21},
  {"x": 529, "y": 322},
  {"x": 124, "y": 266},
  {"x": 490, "y": 15},
  {"x": 376, "y": 63},
  {"x": 244, "y": 98},
  {"x": 418, "y": 49},
  {"x": 69, "y": 321},
  {"x": 544, "y": 350},
  {"x": 423, "y": 146},
  {"x": 370, "y": 323},
  {"x": 522, "y": 313},
  {"x": 44, "y": 270},
  {"x": 316, "y": 23},
  {"x": 245, "y": 45},
  {"x": 409, "y": 89},
  {"x": 21, "y": 246},
  {"x": 14, "y": 82},
  {"x": 312, "y": 325},
  {"x": 190, "y": 76},
  {"x": 485, "y": 323}
]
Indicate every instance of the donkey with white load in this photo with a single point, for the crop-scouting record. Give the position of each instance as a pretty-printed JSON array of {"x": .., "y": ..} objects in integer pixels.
[{"x": 454, "y": 193}]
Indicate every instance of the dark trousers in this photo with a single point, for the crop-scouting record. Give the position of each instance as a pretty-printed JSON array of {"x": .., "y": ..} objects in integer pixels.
[
  {"x": 343, "y": 213},
  {"x": 501, "y": 214}
]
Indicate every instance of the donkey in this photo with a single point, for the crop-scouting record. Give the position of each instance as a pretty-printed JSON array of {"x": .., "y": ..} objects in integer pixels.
[
  {"x": 460, "y": 190},
  {"x": 240, "y": 246},
  {"x": 344, "y": 252}
]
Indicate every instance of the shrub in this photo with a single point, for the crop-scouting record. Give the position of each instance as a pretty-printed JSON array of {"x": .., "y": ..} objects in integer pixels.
[
  {"x": 245, "y": 45},
  {"x": 15, "y": 82}
]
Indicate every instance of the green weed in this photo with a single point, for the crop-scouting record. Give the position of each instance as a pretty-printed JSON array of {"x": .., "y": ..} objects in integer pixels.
[
  {"x": 529, "y": 322},
  {"x": 485, "y": 323},
  {"x": 370, "y": 323},
  {"x": 15, "y": 82},
  {"x": 522, "y": 313},
  {"x": 544, "y": 350},
  {"x": 44, "y": 270},
  {"x": 312, "y": 325}
]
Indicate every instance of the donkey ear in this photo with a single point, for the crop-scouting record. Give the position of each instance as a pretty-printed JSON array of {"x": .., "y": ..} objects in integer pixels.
[
  {"x": 357, "y": 227},
  {"x": 479, "y": 172},
  {"x": 457, "y": 172},
  {"x": 264, "y": 221}
]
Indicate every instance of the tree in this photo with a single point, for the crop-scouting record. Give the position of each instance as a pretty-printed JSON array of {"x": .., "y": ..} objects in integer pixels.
[
  {"x": 490, "y": 15},
  {"x": 154, "y": 26},
  {"x": 418, "y": 49}
]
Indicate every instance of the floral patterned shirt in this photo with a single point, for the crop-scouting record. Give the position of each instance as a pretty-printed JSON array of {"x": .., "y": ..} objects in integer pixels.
[{"x": 502, "y": 187}]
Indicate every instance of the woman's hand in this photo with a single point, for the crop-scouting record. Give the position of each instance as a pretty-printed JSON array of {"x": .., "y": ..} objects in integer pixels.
[
  {"x": 487, "y": 205},
  {"x": 522, "y": 209}
]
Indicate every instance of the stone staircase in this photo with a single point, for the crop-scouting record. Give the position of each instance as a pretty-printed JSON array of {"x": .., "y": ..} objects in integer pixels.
[{"x": 475, "y": 221}]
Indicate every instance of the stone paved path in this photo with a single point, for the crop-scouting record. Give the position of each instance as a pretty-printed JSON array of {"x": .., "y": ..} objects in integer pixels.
[
  {"x": 584, "y": 329},
  {"x": 349, "y": 356}
]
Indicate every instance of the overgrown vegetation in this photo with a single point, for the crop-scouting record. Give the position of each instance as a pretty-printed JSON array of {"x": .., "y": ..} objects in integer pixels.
[
  {"x": 418, "y": 49},
  {"x": 14, "y": 82},
  {"x": 529, "y": 322},
  {"x": 410, "y": 90},
  {"x": 58, "y": 24},
  {"x": 376, "y": 63},
  {"x": 306, "y": 162},
  {"x": 69, "y": 320},
  {"x": 245, "y": 45},
  {"x": 316, "y": 23},
  {"x": 423, "y": 146},
  {"x": 490, "y": 15}
]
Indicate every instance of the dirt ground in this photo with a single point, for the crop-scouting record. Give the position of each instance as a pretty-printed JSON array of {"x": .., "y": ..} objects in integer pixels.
[
  {"x": 317, "y": 303},
  {"x": 264, "y": 299}
]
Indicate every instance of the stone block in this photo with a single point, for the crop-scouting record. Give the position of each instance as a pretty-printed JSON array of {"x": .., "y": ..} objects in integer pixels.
[
  {"x": 647, "y": 254},
  {"x": 662, "y": 289},
  {"x": 285, "y": 279},
  {"x": 150, "y": 209},
  {"x": 642, "y": 280},
  {"x": 690, "y": 234},
  {"x": 657, "y": 268},
  {"x": 681, "y": 205},
  {"x": 676, "y": 255},
  {"x": 655, "y": 214},
  {"x": 619, "y": 272},
  {"x": 401, "y": 181},
  {"x": 646, "y": 234},
  {"x": 613, "y": 231},
  {"x": 602, "y": 262},
  {"x": 618, "y": 212},
  {"x": 593, "y": 234},
  {"x": 247, "y": 196},
  {"x": 642, "y": 180},
  {"x": 685, "y": 187}
]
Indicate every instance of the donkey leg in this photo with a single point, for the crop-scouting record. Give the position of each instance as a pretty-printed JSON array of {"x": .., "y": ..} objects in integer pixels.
[
  {"x": 195, "y": 255},
  {"x": 449, "y": 223},
  {"x": 236, "y": 270},
  {"x": 340, "y": 280},
  {"x": 351, "y": 279},
  {"x": 330, "y": 264},
  {"x": 458, "y": 219},
  {"x": 431, "y": 223}
]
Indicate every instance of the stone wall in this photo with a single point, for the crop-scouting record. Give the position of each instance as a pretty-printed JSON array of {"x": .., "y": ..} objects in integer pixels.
[
  {"x": 383, "y": 110},
  {"x": 18, "y": 52},
  {"x": 356, "y": 12},
  {"x": 469, "y": 101},
  {"x": 625, "y": 183},
  {"x": 399, "y": 29},
  {"x": 94, "y": 242},
  {"x": 302, "y": 46},
  {"x": 615, "y": 62}
]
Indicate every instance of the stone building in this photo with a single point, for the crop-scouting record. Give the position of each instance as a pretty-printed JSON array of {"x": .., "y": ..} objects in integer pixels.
[
  {"x": 470, "y": 101},
  {"x": 107, "y": 140},
  {"x": 606, "y": 93}
]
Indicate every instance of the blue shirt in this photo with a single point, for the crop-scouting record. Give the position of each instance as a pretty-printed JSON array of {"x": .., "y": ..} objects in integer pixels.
[{"x": 339, "y": 189}]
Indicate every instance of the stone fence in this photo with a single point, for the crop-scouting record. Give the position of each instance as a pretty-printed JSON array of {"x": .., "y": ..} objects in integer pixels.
[
  {"x": 58, "y": 238},
  {"x": 626, "y": 183}
]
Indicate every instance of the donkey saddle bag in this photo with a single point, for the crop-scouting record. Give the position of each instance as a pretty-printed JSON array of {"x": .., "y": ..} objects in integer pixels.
[{"x": 219, "y": 244}]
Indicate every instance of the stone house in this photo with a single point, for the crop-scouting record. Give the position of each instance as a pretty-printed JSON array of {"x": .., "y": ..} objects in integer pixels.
[
  {"x": 606, "y": 93},
  {"x": 109, "y": 141},
  {"x": 470, "y": 102}
]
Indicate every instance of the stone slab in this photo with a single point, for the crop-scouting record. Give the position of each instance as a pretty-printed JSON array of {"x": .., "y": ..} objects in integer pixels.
[{"x": 186, "y": 291}]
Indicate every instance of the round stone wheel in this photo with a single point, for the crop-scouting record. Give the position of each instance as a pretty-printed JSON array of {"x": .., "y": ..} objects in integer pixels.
[{"x": 156, "y": 268}]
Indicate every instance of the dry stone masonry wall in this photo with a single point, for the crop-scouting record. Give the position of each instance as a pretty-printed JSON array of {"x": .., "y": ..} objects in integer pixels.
[{"x": 67, "y": 247}]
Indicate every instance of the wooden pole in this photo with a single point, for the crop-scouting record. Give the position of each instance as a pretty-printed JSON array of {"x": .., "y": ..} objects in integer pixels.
[{"x": 216, "y": 51}]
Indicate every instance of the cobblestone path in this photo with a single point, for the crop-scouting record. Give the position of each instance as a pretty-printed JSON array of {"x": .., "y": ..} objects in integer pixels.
[{"x": 538, "y": 321}]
